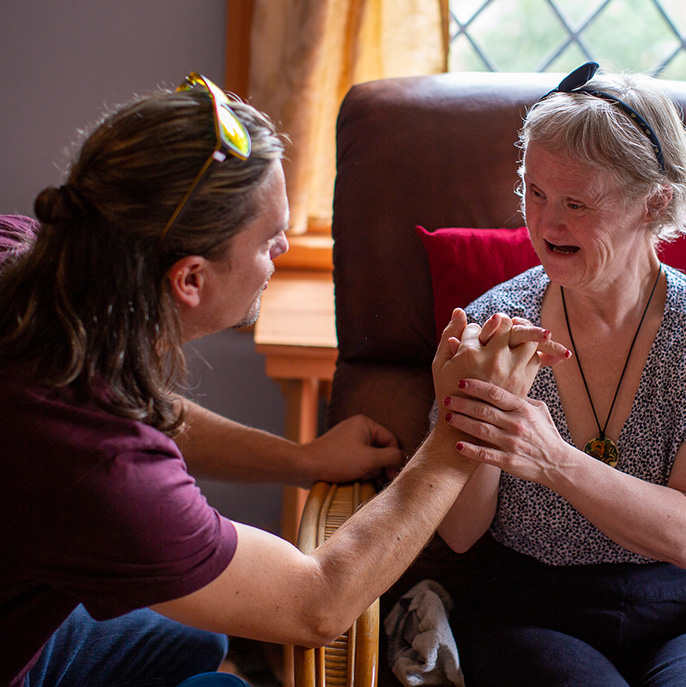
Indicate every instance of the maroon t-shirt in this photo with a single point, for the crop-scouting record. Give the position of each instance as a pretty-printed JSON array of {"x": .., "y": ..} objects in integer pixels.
[{"x": 97, "y": 510}]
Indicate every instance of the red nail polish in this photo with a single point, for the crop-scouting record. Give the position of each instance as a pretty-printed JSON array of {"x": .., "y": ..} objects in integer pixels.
[
  {"x": 461, "y": 384},
  {"x": 459, "y": 446},
  {"x": 448, "y": 417},
  {"x": 446, "y": 401}
]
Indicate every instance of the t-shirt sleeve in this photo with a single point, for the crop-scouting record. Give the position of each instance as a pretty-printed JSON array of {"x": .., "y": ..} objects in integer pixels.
[{"x": 132, "y": 529}]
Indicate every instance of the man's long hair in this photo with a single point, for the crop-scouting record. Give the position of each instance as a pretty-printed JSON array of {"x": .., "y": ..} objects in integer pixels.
[{"x": 90, "y": 304}]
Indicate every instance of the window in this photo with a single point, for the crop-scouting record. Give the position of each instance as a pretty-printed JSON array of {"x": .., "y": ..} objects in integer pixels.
[{"x": 558, "y": 35}]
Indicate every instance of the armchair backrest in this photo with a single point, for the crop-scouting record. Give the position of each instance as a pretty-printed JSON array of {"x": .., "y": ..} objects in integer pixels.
[{"x": 437, "y": 151}]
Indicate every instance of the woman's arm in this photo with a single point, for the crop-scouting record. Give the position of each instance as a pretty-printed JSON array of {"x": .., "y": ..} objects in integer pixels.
[
  {"x": 474, "y": 510},
  {"x": 519, "y": 436}
]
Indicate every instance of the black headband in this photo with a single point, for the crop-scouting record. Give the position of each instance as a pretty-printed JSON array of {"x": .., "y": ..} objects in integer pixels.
[{"x": 574, "y": 83}]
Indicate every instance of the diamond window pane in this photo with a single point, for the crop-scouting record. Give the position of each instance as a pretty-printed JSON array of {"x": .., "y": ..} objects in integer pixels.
[
  {"x": 620, "y": 42},
  {"x": 576, "y": 11},
  {"x": 510, "y": 43},
  {"x": 464, "y": 10},
  {"x": 676, "y": 11},
  {"x": 570, "y": 58},
  {"x": 676, "y": 69},
  {"x": 464, "y": 58},
  {"x": 558, "y": 35}
]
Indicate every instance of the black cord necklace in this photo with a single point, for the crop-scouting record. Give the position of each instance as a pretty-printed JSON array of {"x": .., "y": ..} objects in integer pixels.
[{"x": 602, "y": 447}]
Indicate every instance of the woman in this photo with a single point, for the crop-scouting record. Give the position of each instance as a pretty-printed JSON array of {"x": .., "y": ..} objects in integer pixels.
[{"x": 582, "y": 485}]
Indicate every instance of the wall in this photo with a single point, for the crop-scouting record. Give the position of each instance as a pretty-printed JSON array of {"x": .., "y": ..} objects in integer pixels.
[{"x": 62, "y": 65}]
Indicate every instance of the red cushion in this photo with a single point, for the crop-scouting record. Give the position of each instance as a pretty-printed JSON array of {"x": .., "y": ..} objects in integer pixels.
[
  {"x": 674, "y": 254},
  {"x": 465, "y": 263}
]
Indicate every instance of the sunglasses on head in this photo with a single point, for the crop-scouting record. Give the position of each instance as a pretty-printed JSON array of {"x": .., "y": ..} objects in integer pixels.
[{"x": 232, "y": 137}]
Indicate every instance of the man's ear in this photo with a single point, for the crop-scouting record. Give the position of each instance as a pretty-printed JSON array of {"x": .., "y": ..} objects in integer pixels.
[{"x": 187, "y": 279}]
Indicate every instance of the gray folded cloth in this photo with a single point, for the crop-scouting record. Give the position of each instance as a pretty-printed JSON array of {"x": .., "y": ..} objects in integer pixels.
[{"x": 421, "y": 647}]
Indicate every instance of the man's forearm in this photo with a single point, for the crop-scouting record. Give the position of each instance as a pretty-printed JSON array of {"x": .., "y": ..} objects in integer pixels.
[
  {"x": 384, "y": 537},
  {"x": 214, "y": 446}
]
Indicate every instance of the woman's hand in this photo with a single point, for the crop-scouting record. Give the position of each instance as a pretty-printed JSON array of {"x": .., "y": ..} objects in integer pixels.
[
  {"x": 522, "y": 331},
  {"x": 515, "y": 434},
  {"x": 461, "y": 353}
]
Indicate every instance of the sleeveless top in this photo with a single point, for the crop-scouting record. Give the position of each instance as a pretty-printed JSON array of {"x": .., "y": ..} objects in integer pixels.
[{"x": 533, "y": 519}]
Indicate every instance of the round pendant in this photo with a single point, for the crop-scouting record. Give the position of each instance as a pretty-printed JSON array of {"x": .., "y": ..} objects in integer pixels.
[{"x": 603, "y": 449}]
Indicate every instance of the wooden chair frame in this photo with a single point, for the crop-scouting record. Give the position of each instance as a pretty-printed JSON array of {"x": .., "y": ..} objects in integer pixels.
[{"x": 352, "y": 659}]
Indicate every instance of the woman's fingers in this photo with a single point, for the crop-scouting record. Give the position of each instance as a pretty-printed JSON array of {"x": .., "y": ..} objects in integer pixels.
[
  {"x": 490, "y": 327},
  {"x": 525, "y": 333},
  {"x": 551, "y": 351},
  {"x": 499, "y": 326},
  {"x": 481, "y": 454},
  {"x": 489, "y": 393}
]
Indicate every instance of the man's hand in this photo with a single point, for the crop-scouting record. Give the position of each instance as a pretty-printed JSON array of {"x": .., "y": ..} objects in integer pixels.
[{"x": 356, "y": 448}]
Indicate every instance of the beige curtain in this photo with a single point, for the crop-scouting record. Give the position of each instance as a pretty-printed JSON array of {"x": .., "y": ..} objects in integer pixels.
[{"x": 306, "y": 54}]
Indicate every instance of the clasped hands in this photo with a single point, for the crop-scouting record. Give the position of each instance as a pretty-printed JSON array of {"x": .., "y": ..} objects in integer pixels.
[
  {"x": 506, "y": 352},
  {"x": 481, "y": 376}
]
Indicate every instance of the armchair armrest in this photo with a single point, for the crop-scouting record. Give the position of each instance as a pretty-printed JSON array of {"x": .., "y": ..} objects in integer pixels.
[{"x": 352, "y": 659}]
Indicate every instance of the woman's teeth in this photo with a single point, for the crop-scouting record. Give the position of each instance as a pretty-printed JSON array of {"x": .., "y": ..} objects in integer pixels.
[{"x": 565, "y": 250}]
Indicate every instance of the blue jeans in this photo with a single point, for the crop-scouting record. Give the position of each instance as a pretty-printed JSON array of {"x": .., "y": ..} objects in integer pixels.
[
  {"x": 526, "y": 623},
  {"x": 139, "y": 649}
]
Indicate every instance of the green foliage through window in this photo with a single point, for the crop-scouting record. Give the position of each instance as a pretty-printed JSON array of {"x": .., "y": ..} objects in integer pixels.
[{"x": 559, "y": 35}]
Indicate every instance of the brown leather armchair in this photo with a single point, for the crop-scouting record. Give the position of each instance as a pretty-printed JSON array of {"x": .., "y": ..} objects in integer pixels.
[{"x": 438, "y": 151}]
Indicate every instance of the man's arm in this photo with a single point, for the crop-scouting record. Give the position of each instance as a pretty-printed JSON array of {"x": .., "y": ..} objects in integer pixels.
[
  {"x": 273, "y": 592},
  {"x": 217, "y": 447}
]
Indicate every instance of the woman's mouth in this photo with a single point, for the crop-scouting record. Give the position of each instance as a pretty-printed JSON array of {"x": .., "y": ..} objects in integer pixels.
[{"x": 562, "y": 250}]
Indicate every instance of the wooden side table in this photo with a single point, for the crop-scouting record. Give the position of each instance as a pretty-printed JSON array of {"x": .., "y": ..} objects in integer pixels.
[{"x": 296, "y": 333}]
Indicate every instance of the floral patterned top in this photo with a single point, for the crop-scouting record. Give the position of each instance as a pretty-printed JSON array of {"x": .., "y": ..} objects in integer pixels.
[{"x": 535, "y": 520}]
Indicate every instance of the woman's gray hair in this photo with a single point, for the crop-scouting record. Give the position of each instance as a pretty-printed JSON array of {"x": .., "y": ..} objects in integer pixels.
[{"x": 597, "y": 132}]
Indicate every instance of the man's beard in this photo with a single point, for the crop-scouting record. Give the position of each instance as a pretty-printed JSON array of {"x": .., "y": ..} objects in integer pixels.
[{"x": 252, "y": 316}]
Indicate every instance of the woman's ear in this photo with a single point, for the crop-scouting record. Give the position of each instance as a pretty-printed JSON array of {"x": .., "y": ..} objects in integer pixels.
[
  {"x": 187, "y": 279},
  {"x": 659, "y": 201}
]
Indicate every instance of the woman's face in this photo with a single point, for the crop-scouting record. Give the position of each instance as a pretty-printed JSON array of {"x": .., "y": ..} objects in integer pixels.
[{"x": 584, "y": 232}]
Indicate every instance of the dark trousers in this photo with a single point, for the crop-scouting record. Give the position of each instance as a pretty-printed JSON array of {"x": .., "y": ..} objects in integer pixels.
[
  {"x": 521, "y": 623},
  {"x": 140, "y": 649}
]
